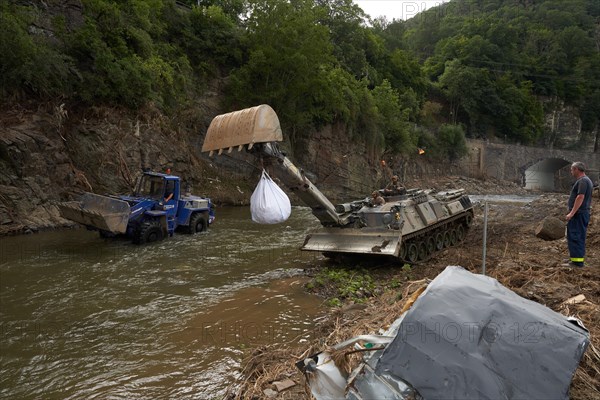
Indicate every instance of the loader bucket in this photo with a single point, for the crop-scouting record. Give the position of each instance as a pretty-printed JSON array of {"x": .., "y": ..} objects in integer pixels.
[
  {"x": 354, "y": 241},
  {"x": 100, "y": 212},
  {"x": 245, "y": 127}
]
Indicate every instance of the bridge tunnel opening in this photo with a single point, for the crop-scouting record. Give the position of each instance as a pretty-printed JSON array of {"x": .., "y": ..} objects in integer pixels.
[{"x": 548, "y": 175}]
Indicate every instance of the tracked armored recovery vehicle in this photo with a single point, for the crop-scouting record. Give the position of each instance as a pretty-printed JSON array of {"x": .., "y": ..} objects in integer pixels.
[{"x": 411, "y": 226}]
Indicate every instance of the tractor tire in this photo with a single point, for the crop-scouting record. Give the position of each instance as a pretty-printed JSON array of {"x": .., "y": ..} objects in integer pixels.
[
  {"x": 198, "y": 223},
  {"x": 148, "y": 232}
]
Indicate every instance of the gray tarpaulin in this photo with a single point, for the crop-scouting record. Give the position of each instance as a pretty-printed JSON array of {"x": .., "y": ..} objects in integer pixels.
[{"x": 469, "y": 337}]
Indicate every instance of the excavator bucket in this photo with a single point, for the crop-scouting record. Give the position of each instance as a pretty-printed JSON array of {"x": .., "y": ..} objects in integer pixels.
[
  {"x": 245, "y": 127},
  {"x": 353, "y": 241},
  {"x": 100, "y": 212}
]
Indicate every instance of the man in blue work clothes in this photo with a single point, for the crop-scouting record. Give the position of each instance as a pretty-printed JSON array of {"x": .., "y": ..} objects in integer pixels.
[{"x": 578, "y": 217}]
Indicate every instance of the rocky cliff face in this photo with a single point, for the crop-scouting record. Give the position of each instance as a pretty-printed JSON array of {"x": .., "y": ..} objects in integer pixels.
[
  {"x": 341, "y": 168},
  {"x": 564, "y": 127},
  {"x": 27, "y": 160},
  {"x": 52, "y": 153}
]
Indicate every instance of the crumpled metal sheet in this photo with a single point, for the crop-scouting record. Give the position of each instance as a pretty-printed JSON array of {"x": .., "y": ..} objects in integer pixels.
[{"x": 469, "y": 337}]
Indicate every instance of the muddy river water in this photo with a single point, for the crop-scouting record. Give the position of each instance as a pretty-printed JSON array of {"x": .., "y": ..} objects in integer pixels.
[{"x": 84, "y": 317}]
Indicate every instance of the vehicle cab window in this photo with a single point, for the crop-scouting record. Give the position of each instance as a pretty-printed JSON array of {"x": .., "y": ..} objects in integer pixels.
[{"x": 169, "y": 191}]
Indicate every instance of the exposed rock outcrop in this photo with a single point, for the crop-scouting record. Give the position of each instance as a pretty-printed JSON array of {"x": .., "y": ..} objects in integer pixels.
[{"x": 54, "y": 154}]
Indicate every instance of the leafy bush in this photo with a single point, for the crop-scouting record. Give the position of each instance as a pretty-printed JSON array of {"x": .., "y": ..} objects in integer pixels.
[{"x": 452, "y": 141}]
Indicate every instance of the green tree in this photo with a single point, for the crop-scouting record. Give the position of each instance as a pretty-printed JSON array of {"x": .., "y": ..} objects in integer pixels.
[
  {"x": 519, "y": 115},
  {"x": 491, "y": 59},
  {"x": 288, "y": 64},
  {"x": 234, "y": 9},
  {"x": 350, "y": 40},
  {"x": 452, "y": 142},
  {"x": 392, "y": 119},
  {"x": 29, "y": 64},
  {"x": 211, "y": 40},
  {"x": 404, "y": 72},
  {"x": 458, "y": 84},
  {"x": 124, "y": 55}
]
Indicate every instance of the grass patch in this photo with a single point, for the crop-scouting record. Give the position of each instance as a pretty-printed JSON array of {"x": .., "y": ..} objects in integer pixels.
[{"x": 342, "y": 284}]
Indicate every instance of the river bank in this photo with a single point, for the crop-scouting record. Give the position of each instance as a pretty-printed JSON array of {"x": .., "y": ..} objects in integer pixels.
[{"x": 515, "y": 257}]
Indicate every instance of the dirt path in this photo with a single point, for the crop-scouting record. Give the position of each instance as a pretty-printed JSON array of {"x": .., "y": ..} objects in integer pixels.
[{"x": 519, "y": 260}]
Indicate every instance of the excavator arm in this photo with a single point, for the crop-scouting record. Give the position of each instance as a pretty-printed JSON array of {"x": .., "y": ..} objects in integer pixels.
[
  {"x": 410, "y": 228},
  {"x": 258, "y": 128}
]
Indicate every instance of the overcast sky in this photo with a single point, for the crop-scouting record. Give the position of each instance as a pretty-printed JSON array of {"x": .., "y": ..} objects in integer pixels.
[{"x": 398, "y": 9}]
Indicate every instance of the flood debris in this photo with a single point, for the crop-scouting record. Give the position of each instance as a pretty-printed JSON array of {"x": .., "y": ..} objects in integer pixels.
[
  {"x": 466, "y": 336},
  {"x": 519, "y": 260},
  {"x": 580, "y": 298},
  {"x": 280, "y": 386}
]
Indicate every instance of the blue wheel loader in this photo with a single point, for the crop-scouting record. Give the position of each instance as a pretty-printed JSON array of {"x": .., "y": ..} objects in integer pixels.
[{"x": 154, "y": 211}]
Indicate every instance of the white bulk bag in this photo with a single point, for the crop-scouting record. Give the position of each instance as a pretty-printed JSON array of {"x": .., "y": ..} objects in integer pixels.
[{"x": 269, "y": 204}]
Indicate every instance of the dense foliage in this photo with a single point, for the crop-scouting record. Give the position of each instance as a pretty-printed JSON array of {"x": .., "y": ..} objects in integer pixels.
[
  {"x": 485, "y": 68},
  {"x": 495, "y": 59}
]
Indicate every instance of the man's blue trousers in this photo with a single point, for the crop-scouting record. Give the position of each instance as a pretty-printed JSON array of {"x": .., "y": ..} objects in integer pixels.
[{"x": 576, "y": 231}]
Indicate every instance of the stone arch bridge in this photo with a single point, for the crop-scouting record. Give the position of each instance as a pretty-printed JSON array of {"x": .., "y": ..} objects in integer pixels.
[{"x": 532, "y": 167}]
